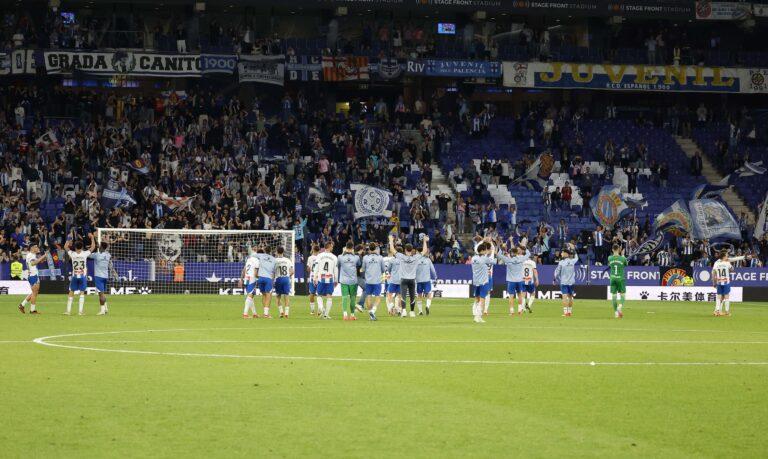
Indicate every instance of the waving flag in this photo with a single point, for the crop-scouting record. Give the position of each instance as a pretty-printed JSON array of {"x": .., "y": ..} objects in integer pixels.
[
  {"x": 345, "y": 68},
  {"x": 609, "y": 205},
  {"x": 709, "y": 191},
  {"x": 371, "y": 201},
  {"x": 317, "y": 201},
  {"x": 174, "y": 203},
  {"x": 650, "y": 245},
  {"x": 48, "y": 140},
  {"x": 115, "y": 194},
  {"x": 537, "y": 176},
  {"x": 761, "y": 227},
  {"x": 675, "y": 219},
  {"x": 747, "y": 170},
  {"x": 140, "y": 166},
  {"x": 712, "y": 219}
]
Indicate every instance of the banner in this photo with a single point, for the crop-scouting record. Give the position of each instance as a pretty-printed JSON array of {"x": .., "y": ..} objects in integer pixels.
[
  {"x": 608, "y": 206},
  {"x": 48, "y": 139},
  {"x": 537, "y": 176},
  {"x": 23, "y": 62},
  {"x": 317, "y": 201},
  {"x": 262, "y": 69},
  {"x": 139, "y": 166},
  {"x": 457, "y": 68},
  {"x": 122, "y": 63},
  {"x": 371, "y": 201},
  {"x": 697, "y": 294},
  {"x": 761, "y": 227},
  {"x": 304, "y": 68},
  {"x": 174, "y": 203},
  {"x": 631, "y": 77},
  {"x": 760, "y": 10},
  {"x": 722, "y": 11},
  {"x": 674, "y": 219},
  {"x": 345, "y": 68},
  {"x": 387, "y": 69},
  {"x": 709, "y": 191},
  {"x": 650, "y": 245},
  {"x": 19, "y": 287},
  {"x": 5, "y": 64},
  {"x": 712, "y": 219},
  {"x": 218, "y": 63},
  {"x": 115, "y": 194},
  {"x": 740, "y": 277}
]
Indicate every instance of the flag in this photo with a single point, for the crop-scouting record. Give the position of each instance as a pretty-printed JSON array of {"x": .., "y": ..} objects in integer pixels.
[
  {"x": 345, "y": 68},
  {"x": 537, "y": 176},
  {"x": 709, "y": 191},
  {"x": 317, "y": 201},
  {"x": 174, "y": 203},
  {"x": 650, "y": 245},
  {"x": 609, "y": 205},
  {"x": 712, "y": 219},
  {"x": 48, "y": 140},
  {"x": 140, "y": 166},
  {"x": 371, "y": 201},
  {"x": 115, "y": 194},
  {"x": 675, "y": 219},
  {"x": 761, "y": 227},
  {"x": 747, "y": 170},
  {"x": 633, "y": 203}
]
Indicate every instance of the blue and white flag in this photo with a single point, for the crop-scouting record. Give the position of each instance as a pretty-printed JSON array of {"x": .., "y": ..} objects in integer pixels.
[
  {"x": 609, "y": 205},
  {"x": 675, "y": 219},
  {"x": 709, "y": 191},
  {"x": 650, "y": 245},
  {"x": 712, "y": 219},
  {"x": 761, "y": 227},
  {"x": 537, "y": 176},
  {"x": 371, "y": 201},
  {"x": 115, "y": 194},
  {"x": 747, "y": 170}
]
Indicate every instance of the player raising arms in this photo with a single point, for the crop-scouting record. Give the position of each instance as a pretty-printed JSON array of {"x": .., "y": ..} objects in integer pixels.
[
  {"x": 311, "y": 284},
  {"x": 514, "y": 261},
  {"x": 530, "y": 282},
  {"x": 348, "y": 263},
  {"x": 327, "y": 276},
  {"x": 721, "y": 278},
  {"x": 79, "y": 280},
  {"x": 425, "y": 274},
  {"x": 373, "y": 268},
  {"x": 248, "y": 276},
  {"x": 485, "y": 255},
  {"x": 566, "y": 274},
  {"x": 616, "y": 264},
  {"x": 392, "y": 267},
  {"x": 101, "y": 261},
  {"x": 408, "y": 262},
  {"x": 265, "y": 281},
  {"x": 283, "y": 275},
  {"x": 32, "y": 260}
]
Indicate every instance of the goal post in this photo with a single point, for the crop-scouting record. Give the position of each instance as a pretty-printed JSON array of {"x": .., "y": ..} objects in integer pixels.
[{"x": 147, "y": 261}]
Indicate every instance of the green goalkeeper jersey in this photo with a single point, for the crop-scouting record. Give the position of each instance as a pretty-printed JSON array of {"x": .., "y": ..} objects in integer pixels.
[{"x": 616, "y": 265}]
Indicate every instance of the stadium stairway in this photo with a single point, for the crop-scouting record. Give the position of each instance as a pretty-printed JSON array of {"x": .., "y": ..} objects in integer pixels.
[{"x": 734, "y": 201}]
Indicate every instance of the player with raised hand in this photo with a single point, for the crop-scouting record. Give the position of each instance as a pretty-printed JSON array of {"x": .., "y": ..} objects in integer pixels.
[
  {"x": 480, "y": 285},
  {"x": 348, "y": 263},
  {"x": 33, "y": 278},
  {"x": 565, "y": 273},
  {"x": 249, "y": 277},
  {"x": 392, "y": 267},
  {"x": 616, "y": 264},
  {"x": 514, "y": 260},
  {"x": 721, "y": 279},
  {"x": 408, "y": 261},
  {"x": 327, "y": 276},
  {"x": 309, "y": 269},
  {"x": 425, "y": 274},
  {"x": 265, "y": 278},
  {"x": 373, "y": 269},
  {"x": 283, "y": 275},
  {"x": 530, "y": 282},
  {"x": 79, "y": 281},
  {"x": 101, "y": 262}
]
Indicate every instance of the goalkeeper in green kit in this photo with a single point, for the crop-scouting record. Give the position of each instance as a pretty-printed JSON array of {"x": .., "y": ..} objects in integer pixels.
[{"x": 616, "y": 264}]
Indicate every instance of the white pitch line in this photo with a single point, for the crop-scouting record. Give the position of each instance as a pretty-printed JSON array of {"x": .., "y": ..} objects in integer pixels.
[
  {"x": 44, "y": 341},
  {"x": 26, "y": 341},
  {"x": 362, "y": 341}
]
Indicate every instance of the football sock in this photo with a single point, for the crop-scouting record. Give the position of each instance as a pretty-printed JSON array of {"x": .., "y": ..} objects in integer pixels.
[
  {"x": 24, "y": 302},
  {"x": 69, "y": 304},
  {"x": 247, "y": 307},
  {"x": 81, "y": 304},
  {"x": 418, "y": 305},
  {"x": 727, "y": 304},
  {"x": 328, "y": 306},
  {"x": 621, "y": 301},
  {"x": 311, "y": 307},
  {"x": 320, "y": 305},
  {"x": 530, "y": 301},
  {"x": 266, "y": 310},
  {"x": 429, "y": 302},
  {"x": 287, "y": 310},
  {"x": 373, "y": 308},
  {"x": 280, "y": 309},
  {"x": 717, "y": 304},
  {"x": 33, "y": 307},
  {"x": 615, "y": 303}
]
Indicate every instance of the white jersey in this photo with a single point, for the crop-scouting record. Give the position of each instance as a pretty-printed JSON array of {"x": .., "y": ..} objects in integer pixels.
[
  {"x": 490, "y": 267},
  {"x": 251, "y": 268},
  {"x": 283, "y": 267},
  {"x": 327, "y": 268},
  {"x": 721, "y": 271},
  {"x": 31, "y": 266},
  {"x": 310, "y": 267},
  {"x": 529, "y": 266},
  {"x": 79, "y": 262}
]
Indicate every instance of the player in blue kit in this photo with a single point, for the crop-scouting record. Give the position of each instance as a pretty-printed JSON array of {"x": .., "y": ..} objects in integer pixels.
[
  {"x": 265, "y": 279},
  {"x": 566, "y": 274},
  {"x": 101, "y": 264},
  {"x": 485, "y": 255},
  {"x": 425, "y": 274},
  {"x": 515, "y": 289},
  {"x": 373, "y": 269}
]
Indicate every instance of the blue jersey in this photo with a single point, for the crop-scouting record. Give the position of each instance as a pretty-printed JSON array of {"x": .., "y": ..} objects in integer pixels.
[
  {"x": 348, "y": 263},
  {"x": 266, "y": 265},
  {"x": 480, "y": 269},
  {"x": 566, "y": 271},
  {"x": 514, "y": 266},
  {"x": 408, "y": 265},
  {"x": 101, "y": 264},
  {"x": 425, "y": 270},
  {"x": 373, "y": 267},
  {"x": 393, "y": 268}
]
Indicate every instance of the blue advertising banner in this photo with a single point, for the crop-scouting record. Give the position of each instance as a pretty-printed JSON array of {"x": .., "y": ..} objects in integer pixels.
[
  {"x": 740, "y": 277},
  {"x": 454, "y": 68},
  {"x": 218, "y": 63}
]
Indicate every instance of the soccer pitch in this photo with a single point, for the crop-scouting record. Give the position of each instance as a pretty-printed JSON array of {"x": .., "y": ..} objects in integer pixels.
[{"x": 184, "y": 375}]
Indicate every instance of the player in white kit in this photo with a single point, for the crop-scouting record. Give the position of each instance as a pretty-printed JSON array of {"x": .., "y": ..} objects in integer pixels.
[
  {"x": 721, "y": 279},
  {"x": 32, "y": 260},
  {"x": 248, "y": 278},
  {"x": 283, "y": 276},
  {"x": 309, "y": 269},
  {"x": 79, "y": 281},
  {"x": 326, "y": 276}
]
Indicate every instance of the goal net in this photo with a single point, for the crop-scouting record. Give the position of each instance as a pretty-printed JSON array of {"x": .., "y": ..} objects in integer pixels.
[{"x": 151, "y": 261}]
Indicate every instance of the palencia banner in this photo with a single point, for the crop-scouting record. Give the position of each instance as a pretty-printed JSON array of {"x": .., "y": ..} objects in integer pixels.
[
  {"x": 454, "y": 68},
  {"x": 262, "y": 69},
  {"x": 123, "y": 63},
  {"x": 634, "y": 77}
]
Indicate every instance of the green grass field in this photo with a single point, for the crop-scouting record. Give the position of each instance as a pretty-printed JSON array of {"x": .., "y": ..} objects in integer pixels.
[{"x": 174, "y": 376}]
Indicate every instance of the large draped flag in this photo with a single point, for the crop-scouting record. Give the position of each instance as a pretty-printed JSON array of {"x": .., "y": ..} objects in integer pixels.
[
  {"x": 48, "y": 139},
  {"x": 709, "y": 191},
  {"x": 711, "y": 219},
  {"x": 317, "y": 201},
  {"x": 537, "y": 176},
  {"x": 371, "y": 201},
  {"x": 174, "y": 203},
  {"x": 345, "y": 68},
  {"x": 139, "y": 166},
  {"x": 115, "y": 194},
  {"x": 675, "y": 219},
  {"x": 747, "y": 170},
  {"x": 650, "y": 245},
  {"x": 761, "y": 227},
  {"x": 609, "y": 205}
]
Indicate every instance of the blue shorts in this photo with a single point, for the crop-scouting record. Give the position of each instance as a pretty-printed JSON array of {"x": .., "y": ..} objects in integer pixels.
[
  {"x": 78, "y": 284},
  {"x": 264, "y": 285},
  {"x": 312, "y": 288},
  {"x": 373, "y": 289},
  {"x": 567, "y": 290},
  {"x": 481, "y": 291},
  {"x": 100, "y": 283},
  {"x": 283, "y": 286},
  {"x": 393, "y": 288},
  {"x": 423, "y": 288},
  {"x": 250, "y": 288},
  {"x": 513, "y": 288},
  {"x": 723, "y": 289},
  {"x": 530, "y": 288},
  {"x": 33, "y": 280},
  {"x": 325, "y": 288}
]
